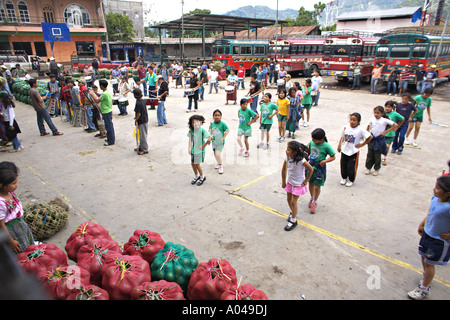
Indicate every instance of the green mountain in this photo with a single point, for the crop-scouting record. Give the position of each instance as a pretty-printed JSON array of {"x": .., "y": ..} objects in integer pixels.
[{"x": 262, "y": 12}]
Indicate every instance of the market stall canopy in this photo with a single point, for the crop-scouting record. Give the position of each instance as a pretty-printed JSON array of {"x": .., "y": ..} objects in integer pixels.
[{"x": 214, "y": 22}]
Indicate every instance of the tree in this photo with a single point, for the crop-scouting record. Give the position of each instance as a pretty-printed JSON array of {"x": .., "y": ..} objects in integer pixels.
[
  {"x": 304, "y": 18},
  {"x": 119, "y": 27}
]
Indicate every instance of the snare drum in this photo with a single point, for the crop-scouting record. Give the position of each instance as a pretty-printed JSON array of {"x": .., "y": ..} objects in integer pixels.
[
  {"x": 151, "y": 102},
  {"x": 123, "y": 102},
  {"x": 115, "y": 100},
  {"x": 189, "y": 92},
  {"x": 114, "y": 81},
  {"x": 88, "y": 79},
  {"x": 249, "y": 99},
  {"x": 280, "y": 82},
  {"x": 229, "y": 89}
]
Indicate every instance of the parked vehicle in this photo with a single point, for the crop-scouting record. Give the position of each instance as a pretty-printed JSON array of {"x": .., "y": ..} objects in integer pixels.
[
  {"x": 344, "y": 49},
  {"x": 78, "y": 62},
  {"x": 293, "y": 53},
  {"x": 401, "y": 48},
  {"x": 25, "y": 62}
]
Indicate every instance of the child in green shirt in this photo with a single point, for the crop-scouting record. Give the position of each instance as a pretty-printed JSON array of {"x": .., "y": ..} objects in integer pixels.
[
  {"x": 218, "y": 130},
  {"x": 246, "y": 118},
  {"x": 389, "y": 108},
  {"x": 198, "y": 140},
  {"x": 422, "y": 102},
  {"x": 268, "y": 111},
  {"x": 319, "y": 149},
  {"x": 307, "y": 100}
]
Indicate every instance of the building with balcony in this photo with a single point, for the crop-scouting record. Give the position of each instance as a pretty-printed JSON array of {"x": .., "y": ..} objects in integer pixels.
[{"x": 20, "y": 27}]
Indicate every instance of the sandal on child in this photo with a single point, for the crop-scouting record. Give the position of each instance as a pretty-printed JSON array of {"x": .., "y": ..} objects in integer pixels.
[
  {"x": 195, "y": 180},
  {"x": 201, "y": 180}
]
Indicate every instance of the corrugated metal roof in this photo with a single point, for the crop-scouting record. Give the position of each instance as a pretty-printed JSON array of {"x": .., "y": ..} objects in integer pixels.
[
  {"x": 380, "y": 14},
  {"x": 270, "y": 32}
]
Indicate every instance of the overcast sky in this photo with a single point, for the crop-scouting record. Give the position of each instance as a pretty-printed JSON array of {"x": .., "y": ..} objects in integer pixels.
[{"x": 171, "y": 9}]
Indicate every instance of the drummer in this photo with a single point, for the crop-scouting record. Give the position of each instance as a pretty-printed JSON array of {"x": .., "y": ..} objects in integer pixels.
[
  {"x": 115, "y": 75},
  {"x": 194, "y": 84},
  {"x": 124, "y": 89},
  {"x": 151, "y": 82},
  {"x": 232, "y": 80},
  {"x": 255, "y": 90}
]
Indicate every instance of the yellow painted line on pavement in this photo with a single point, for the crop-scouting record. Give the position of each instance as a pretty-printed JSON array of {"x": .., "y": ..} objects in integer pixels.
[{"x": 330, "y": 234}]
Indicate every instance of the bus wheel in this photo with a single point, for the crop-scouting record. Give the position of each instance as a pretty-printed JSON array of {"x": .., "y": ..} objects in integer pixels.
[
  {"x": 254, "y": 68},
  {"x": 313, "y": 69}
]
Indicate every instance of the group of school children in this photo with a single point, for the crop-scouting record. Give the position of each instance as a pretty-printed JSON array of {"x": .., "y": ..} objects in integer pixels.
[{"x": 305, "y": 166}]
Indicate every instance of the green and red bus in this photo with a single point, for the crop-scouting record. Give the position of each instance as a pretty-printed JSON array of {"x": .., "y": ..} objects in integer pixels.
[
  {"x": 231, "y": 53},
  {"x": 413, "y": 49}
]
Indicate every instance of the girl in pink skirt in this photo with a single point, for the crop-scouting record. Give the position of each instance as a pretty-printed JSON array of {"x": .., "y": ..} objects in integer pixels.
[{"x": 295, "y": 163}]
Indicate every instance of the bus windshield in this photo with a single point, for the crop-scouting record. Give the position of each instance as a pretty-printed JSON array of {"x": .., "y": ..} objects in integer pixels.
[
  {"x": 221, "y": 49},
  {"x": 400, "y": 52},
  {"x": 280, "y": 50},
  {"x": 342, "y": 50}
]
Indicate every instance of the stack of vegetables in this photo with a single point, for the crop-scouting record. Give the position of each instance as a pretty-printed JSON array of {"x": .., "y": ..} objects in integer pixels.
[
  {"x": 148, "y": 268},
  {"x": 21, "y": 90}
]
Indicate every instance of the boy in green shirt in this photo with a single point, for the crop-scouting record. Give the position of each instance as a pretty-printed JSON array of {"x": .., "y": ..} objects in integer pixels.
[
  {"x": 423, "y": 101},
  {"x": 268, "y": 111},
  {"x": 397, "y": 118},
  {"x": 105, "y": 101},
  {"x": 246, "y": 118}
]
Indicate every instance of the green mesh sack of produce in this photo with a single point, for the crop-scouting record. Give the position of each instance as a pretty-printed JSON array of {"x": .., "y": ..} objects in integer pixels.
[
  {"x": 46, "y": 219},
  {"x": 174, "y": 263}
]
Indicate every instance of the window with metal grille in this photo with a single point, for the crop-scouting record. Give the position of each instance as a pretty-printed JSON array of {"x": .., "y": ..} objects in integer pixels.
[{"x": 23, "y": 11}]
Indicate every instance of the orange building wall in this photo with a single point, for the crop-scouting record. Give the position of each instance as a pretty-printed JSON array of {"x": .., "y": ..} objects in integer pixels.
[{"x": 61, "y": 50}]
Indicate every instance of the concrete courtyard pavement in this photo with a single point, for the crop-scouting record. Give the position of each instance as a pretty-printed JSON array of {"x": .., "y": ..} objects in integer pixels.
[{"x": 361, "y": 244}]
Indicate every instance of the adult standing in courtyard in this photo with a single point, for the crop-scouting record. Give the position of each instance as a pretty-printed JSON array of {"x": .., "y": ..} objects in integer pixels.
[
  {"x": 376, "y": 76},
  {"x": 41, "y": 111}
]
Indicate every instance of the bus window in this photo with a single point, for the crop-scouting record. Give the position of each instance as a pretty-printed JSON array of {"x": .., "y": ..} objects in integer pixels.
[
  {"x": 235, "y": 50},
  {"x": 300, "y": 49},
  {"x": 293, "y": 50},
  {"x": 419, "y": 52},
  {"x": 326, "y": 50},
  {"x": 365, "y": 51},
  {"x": 260, "y": 50},
  {"x": 246, "y": 50},
  {"x": 319, "y": 49},
  {"x": 355, "y": 51},
  {"x": 400, "y": 52},
  {"x": 314, "y": 49},
  {"x": 307, "y": 49},
  {"x": 221, "y": 50},
  {"x": 382, "y": 52}
]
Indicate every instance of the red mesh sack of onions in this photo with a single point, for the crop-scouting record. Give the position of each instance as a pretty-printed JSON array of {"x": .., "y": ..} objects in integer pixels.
[
  {"x": 158, "y": 290},
  {"x": 211, "y": 279},
  {"x": 40, "y": 257},
  {"x": 243, "y": 292},
  {"x": 121, "y": 274},
  {"x": 92, "y": 257},
  {"x": 88, "y": 292},
  {"x": 63, "y": 280},
  {"x": 84, "y": 234},
  {"x": 145, "y": 244}
]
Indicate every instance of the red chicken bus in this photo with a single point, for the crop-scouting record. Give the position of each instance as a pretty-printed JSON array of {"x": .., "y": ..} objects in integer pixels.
[
  {"x": 231, "y": 53},
  {"x": 342, "y": 51},
  {"x": 292, "y": 53}
]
